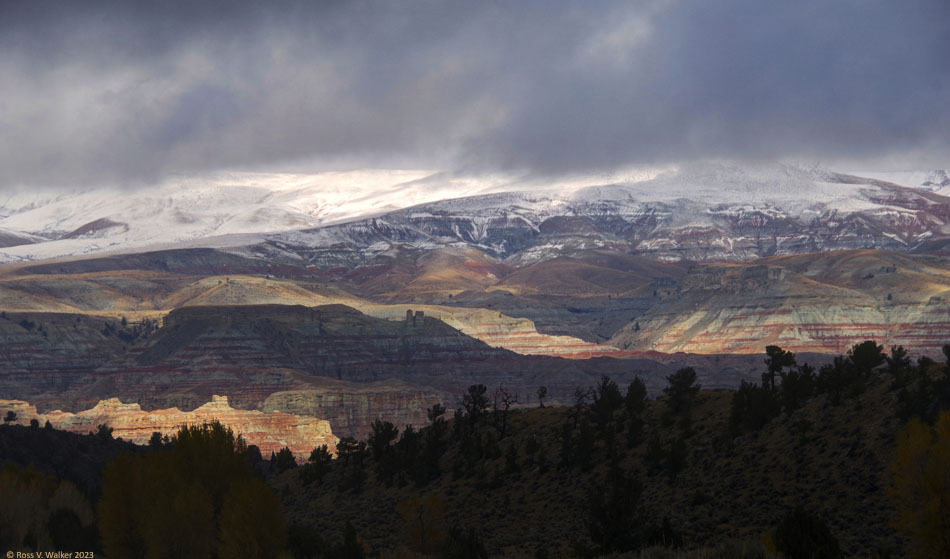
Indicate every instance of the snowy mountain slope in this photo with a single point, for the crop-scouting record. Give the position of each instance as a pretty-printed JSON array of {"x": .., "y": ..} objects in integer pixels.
[
  {"x": 9, "y": 238},
  {"x": 937, "y": 180},
  {"x": 224, "y": 209},
  {"x": 195, "y": 208},
  {"x": 701, "y": 213},
  {"x": 697, "y": 212}
]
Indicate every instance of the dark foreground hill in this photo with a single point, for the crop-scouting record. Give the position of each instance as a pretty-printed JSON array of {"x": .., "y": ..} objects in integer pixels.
[
  {"x": 832, "y": 461},
  {"x": 714, "y": 470}
]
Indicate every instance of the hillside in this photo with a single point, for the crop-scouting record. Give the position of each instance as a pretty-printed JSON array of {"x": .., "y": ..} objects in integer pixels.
[
  {"x": 693, "y": 470},
  {"x": 526, "y": 480}
]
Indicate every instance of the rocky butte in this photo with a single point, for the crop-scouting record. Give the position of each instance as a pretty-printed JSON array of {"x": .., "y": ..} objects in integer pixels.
[{"x": 270, "y": 431}]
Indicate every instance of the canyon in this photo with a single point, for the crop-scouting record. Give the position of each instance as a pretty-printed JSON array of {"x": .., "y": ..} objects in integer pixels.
[
  {"x": 330, "y": 362},
  {"x": 382, "y": 317}
]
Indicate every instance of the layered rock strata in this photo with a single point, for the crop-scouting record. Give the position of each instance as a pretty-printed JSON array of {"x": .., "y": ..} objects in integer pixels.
[
  {"x": 816, "y": 303},
  {"x": 270, "y": 431},
  {"x": 499, "y": 330}
]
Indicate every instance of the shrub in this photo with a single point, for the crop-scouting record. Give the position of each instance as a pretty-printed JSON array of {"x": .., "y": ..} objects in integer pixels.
[
  {"x": 615, "y": 516},
  {"x": 463, "y": 543},
  {"x": 752, "y": 407},
  {"x": 921, "y": 488},
  {"x": 802, "y": 535}
]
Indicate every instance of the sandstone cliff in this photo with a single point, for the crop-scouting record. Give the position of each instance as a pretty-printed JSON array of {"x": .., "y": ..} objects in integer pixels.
[{"x": 270, "y": 431}]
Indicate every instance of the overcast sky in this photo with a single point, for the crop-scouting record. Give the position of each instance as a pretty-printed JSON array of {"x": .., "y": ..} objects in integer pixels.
[{"x": 129, "y": 92}]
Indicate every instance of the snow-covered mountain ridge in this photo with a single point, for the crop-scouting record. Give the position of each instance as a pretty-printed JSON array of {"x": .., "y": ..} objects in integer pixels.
[
  {"x": 705, "y": 213},
  {"x": 696, "y": 212},
  {"x": 189, "y": 209}
]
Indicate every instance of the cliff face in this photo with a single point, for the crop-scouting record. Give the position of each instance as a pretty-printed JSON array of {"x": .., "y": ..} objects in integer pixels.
[
  {"x": 331, "y": 362},
  {"x": 57, "y": 342},
  {"x": 498, "y": 330},
  {"x": 352, "y": 410},
  {"x": 270, "y": 431},
  {"x": 816, "y": 303}
]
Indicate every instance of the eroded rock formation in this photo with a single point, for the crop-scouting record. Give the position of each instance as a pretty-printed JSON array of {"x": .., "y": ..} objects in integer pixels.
[
  {"x": 808, "y": 303},
  {"x": 270, "y": 431}
]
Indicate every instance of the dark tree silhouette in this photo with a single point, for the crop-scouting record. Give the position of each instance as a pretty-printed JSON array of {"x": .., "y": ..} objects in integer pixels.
[
  {"x": 682, "y": 390},
  {"x": 866, "y": 356},
  {"x": 285, "y": 460},
  {"x": 615, "y": 516},
  {"x": 382, "y": 435},
  {"x": 581, "y": 395},
  {"x": 475, "y": 403},
  {"x": 797, "y": 386},
  {"x": 435, "y": 412},
  {"x": 635, "y": 399},
  {"x": 607, "y": 400},
  {"x": 776, "y": 360},
  {"x": 501, "y": 403}
]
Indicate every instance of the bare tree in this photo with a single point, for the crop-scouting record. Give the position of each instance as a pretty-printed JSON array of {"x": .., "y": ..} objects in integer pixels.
[
  {"x": 581, "y": 395},
  {"x": 502, "y": 402}
]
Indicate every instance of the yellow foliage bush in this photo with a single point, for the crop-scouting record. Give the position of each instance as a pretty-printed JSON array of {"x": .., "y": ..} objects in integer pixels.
[
  {"x": 921, "y": 488},
  {"x": 199, "y": 499}
]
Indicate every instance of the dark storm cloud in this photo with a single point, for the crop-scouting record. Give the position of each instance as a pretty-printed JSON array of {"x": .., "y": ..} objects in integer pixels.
[{"x": 129, "y": 92}]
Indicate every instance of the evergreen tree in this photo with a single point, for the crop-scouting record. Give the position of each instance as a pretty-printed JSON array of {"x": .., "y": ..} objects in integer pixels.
[
  {"x": 838, "y": 378},
  {"x": 635, "y": 399},
  {"x": 753, "y": 406},
  {"x": 776, "y": 360},
  {"x": 285, "y": 460},
  {"x": 866, "y": 356},
  {"x": 897, "y": 365},
  {"x": 682, "y": 390},
  {"x": 476, "y": 404},
  {"x": 615, "y": 516},
  {"x": 797, "y": 386},
  {"x": 382, "y": 435},
  {"x": 607, "y": 401},
  {"x": 350, "y": 547}
]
